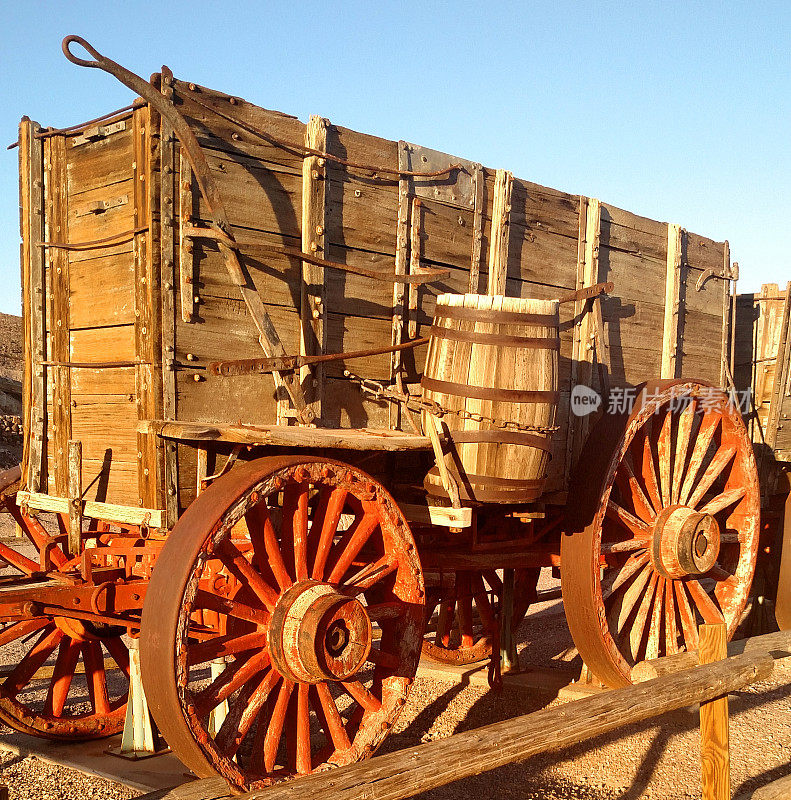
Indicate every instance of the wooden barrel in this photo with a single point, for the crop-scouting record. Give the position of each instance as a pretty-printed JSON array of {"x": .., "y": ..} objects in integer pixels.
[{"x": 496, "y": 358}]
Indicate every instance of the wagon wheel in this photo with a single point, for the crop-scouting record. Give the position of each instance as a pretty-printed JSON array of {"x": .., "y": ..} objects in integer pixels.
[
  {"x": 467, "y": 604},
  {"x": 68, "y": 679},
  {"x": 667, "y": 531},
  {"x": 300, "y": 580}
]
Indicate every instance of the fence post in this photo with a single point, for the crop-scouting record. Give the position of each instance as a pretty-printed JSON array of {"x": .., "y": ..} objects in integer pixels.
[{"x": 715, "y": 757}]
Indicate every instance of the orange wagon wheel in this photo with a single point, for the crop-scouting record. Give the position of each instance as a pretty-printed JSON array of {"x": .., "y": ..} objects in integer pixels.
[
  {"x": 299, "y": 582},
  {"x": 666, "y": 532}
]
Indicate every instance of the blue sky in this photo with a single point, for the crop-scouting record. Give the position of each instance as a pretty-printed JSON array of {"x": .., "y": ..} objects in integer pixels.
[{"x": 676, "y": 111}]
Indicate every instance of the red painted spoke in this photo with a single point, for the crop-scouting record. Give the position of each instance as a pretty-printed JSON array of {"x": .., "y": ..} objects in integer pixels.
[
  {"x": 724, "y": 500},
  {"x": 300, "y": 531},
  {"x": 635, "y": 526},
  {"x": 291, "y": 493},
  {"x": 17, "y": 560},
  {"x": 385, "y": 660},
  {"x": 331, "y": 719},
  {"x": 262, "y": 533},
  {"x": 62, "y": 675},
  {"x": 225, "y": 646},
  {"x": 119, "y": 652},
  {"x": 649, "y": 471},
  {"x": 671, "y": 632},
  {"x": 37, "y": 534},
  {"x": 30, "y": 663},
  {"x": 353, "y": 541},
  {"x": 630, "y": 487},
  {"x": 494, "y": 581},
  {"x": 632, "y": 595},
  {"x": 641, "y": 618},
  {"x": 380, "y": 612},
  {"x": 330, "y": 518},
  {"x": 685, "y": 420},
  {"x": 16, "y": 630},
  {"x": 464, "y": 609},
  {"x": 652, "y": 645},
  {"x": 274, "y": 731},
  {"x": 688, "y": 624},
  {"x": 243, "y": 712},
  {"x": 447, "y": 607},
  {"x": 303, "y": 730},
  {"x": 706, "y": 606},
  {"x": 626, "y": 546},
  {"x": 233, "y": 677},
  {"x": 633, "y": 565},
  {"x": 233, "y": 558},
  {"x": 371, "y": 574},
  {"x": 702, "y": 442},
  {"x": 361, "y": 695},
  {"x": 723, "y": 457},
  {"x": 229, "y": 607},
  {"x": 664, "y": 454},
  {"x": 93, "y": 660}
]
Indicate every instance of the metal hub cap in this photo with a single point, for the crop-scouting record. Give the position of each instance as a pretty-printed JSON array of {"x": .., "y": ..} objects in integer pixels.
[
  {"x": 685, "y": 542},
  {"x": 318, "y": 634}
]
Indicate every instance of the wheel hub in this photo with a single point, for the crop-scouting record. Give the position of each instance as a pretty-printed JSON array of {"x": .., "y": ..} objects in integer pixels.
[
  {"x": 685, "y": 542},
  {"x": 318, "y": 634}
]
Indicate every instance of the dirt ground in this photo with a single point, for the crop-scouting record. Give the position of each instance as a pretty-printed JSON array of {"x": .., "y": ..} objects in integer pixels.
[{"x": 659, "y": 759}]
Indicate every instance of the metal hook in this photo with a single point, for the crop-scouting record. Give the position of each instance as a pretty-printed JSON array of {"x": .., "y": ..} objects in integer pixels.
[{"x": 82, "y": 62}]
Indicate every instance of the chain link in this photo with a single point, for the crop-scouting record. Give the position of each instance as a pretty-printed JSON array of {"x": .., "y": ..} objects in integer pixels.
[{"x": 417, "y": 404}]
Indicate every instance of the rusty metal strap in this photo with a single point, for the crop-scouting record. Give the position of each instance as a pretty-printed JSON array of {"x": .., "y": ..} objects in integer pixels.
[
  {"x": 587, "y": 293},
  {"x": 424, "y": 276},
  {"x": 96, "y": 244},
  {"x": 500, "y": 436},
  {"x": 487, "y": 393},
  {"x": 304, "y": 151},
  {"x": 502, "y": 317},
  {"x": 526, "y": 342}
]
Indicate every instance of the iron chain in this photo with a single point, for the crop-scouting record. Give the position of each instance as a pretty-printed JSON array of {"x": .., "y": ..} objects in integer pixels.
[{"x": 417, "y": 404}]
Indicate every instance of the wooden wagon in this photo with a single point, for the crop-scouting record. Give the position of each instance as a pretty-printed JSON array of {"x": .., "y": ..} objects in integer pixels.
[{"x": 229, "y": 452}]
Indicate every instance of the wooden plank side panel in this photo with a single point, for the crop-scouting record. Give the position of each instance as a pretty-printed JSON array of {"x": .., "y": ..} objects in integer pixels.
[
  {"x": 102, "y": 291},
  {"x": 100, "y": 163}
]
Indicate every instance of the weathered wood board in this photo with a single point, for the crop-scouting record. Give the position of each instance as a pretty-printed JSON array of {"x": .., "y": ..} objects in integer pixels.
[{"x": 159, "y": 298}]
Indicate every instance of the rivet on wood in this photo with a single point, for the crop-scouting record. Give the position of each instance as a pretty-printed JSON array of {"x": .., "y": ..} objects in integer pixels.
[
  {"x": 235, "y": 137},
  {"x": 319, "y": 230},
  {"x": 197, "y": 378},
  {"x": 357, "y": 193},
  {"x": 315, "y": 174}
]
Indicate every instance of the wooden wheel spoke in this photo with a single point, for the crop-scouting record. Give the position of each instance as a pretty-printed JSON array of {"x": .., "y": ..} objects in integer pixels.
[
  {"x": 97, "y": 679},
  {"x": 371, "y": 574},
  {"x": 16, "y": 630},
  {"x": 464, "y": 610},
  {"x": 626, "y": 546},
  {"x": 274, "y": 731},
  {"x": 62, "y": 676},
  {"x": 381, "y": 612},
  {"x": 17, "y": 560},
  {"x": 688, "y": 624},
  {"x": 706, "y": 606},
  {"x": 708, "y": 428},
  {"x": 353, "y": 541},
  {"x": 330, "y": 517},
  {"x": 331, "y": 719},
  {"x": 632, "y": 566},
  {"x": 482, "y": 603},
  {"x": 632, "y": 595},
  {"x": 685, "y": 420},
  {"x": 244, "y": 571},
  {"x": 635, "y": 526},
  {"x": 664, "y": 455},
  {"x": 361, "y": 695},
  {"x": 630, "y": 487},
  {"x": 29, "y": 664},
  {"x": 264, "y": 539},
  {"x": 641, "y": 618},
  {"x": 724, "y": 500},
  {"x": 671, "y": 632},
  {"x": 649, "y": 471},
  {"x": 235, "y": 675},
  {"x": 225, "y": 646},
  {"x": 243, "y": 712},
  {"x": 447, "y": 609},
  {"x": 120, "y": 653},
  {"x": 230, "y": 607},
  {"x": 655, "y": 628},
  {"x": 300, "y": 532},
  {"x": 303, "y": 761},
  {"x": 723, "y": 457}
]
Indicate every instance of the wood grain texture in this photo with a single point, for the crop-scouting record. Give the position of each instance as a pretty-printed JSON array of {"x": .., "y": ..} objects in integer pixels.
[
  {"x": 672, "y": 320},
  {"x": 714, "y": 752},
  {"x": 499, "y": 240},
  {"x": 419, "y": 769}
]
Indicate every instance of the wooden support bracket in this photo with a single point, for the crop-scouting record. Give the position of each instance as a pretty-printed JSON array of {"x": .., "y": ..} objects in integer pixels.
[
  {"x": 477, "y": 228},
  {"x": 189, "y": 291},
  {"x": 670, "y": 341},
  {"x": 499, "y": 239}
]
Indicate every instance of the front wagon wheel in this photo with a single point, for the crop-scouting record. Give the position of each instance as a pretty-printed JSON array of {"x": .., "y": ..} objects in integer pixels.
[{"x": 290, "y": 596}]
